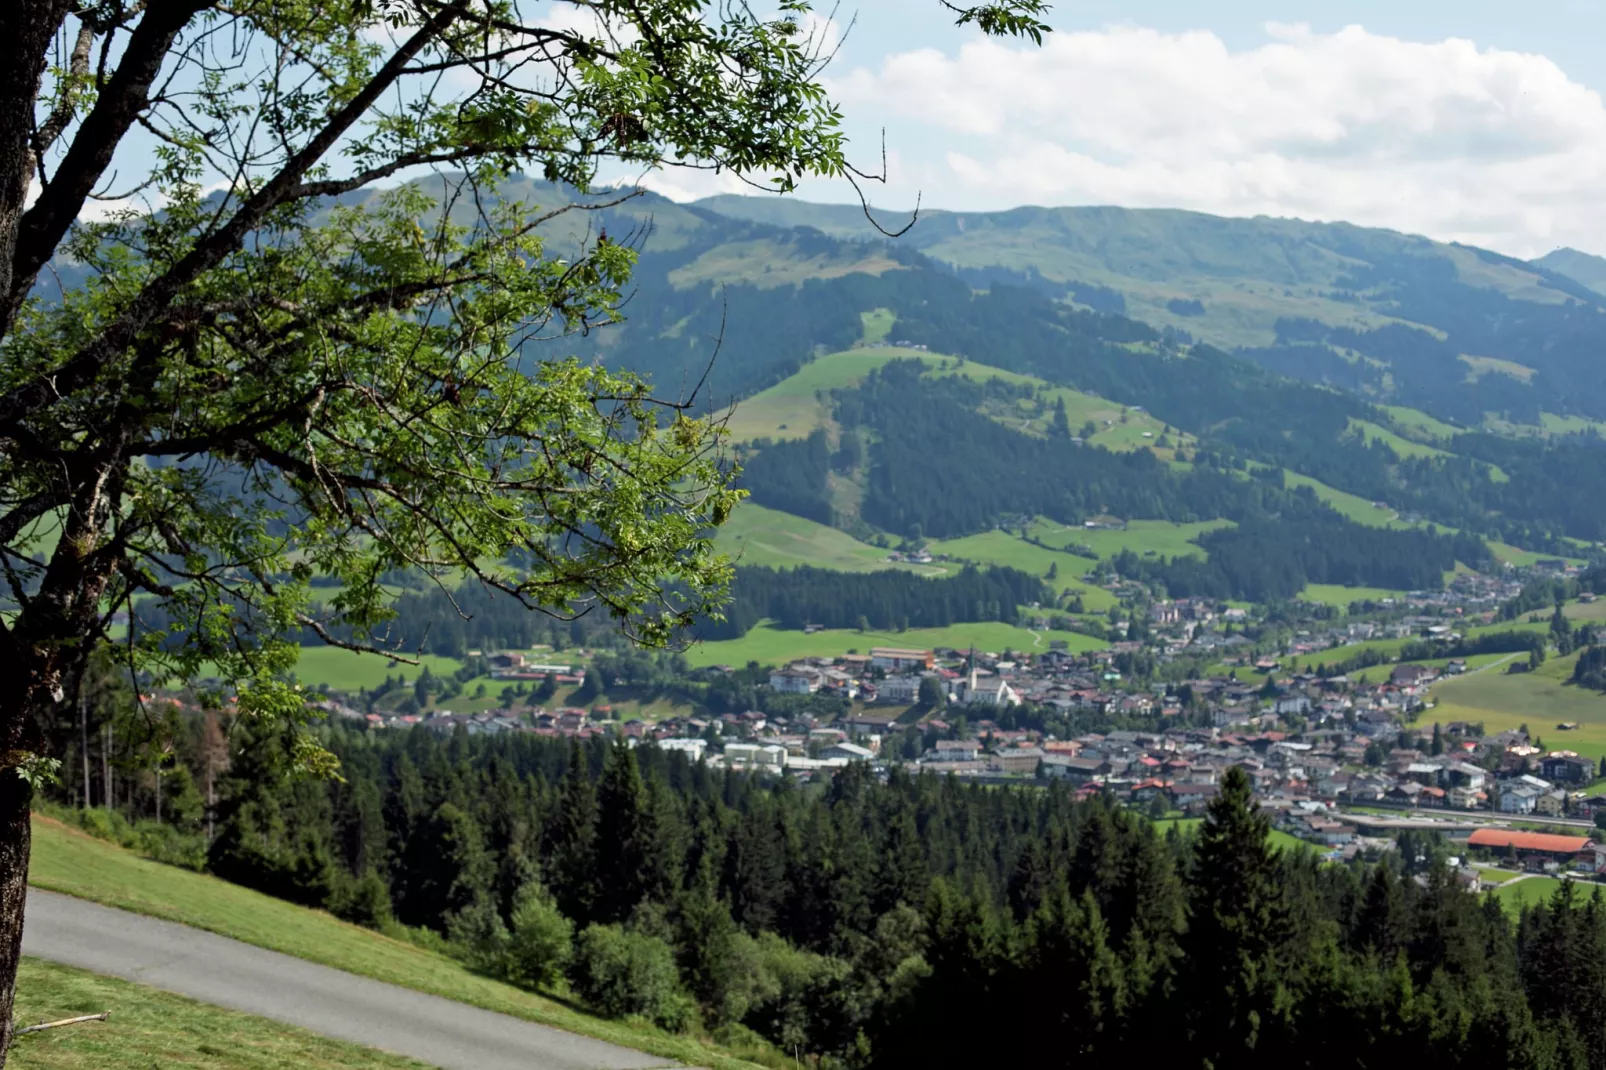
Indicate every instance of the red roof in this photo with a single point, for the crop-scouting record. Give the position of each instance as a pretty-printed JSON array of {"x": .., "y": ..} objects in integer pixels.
[{"x": 1528, "y": 841}]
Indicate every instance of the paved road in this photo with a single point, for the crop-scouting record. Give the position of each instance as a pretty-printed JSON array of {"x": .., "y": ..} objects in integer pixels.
[{"x": 225, "y": 972}]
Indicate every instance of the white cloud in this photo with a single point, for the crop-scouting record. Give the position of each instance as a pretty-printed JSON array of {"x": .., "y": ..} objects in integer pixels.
[{"x": 1495, "y": 147}]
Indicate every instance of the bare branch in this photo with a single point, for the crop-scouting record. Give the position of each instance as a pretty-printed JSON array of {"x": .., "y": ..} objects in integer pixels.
[{"x": 82, "y": 1018}]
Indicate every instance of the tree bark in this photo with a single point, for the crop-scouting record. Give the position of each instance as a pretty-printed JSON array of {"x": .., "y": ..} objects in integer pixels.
[{"x": 15, "y": 843}]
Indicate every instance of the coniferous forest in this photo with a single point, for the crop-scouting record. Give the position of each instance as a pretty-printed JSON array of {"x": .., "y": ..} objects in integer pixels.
[{"x": 918, "y": 921}]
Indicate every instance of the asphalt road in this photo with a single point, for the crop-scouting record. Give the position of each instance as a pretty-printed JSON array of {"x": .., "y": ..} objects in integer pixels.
[{"x": 214, "y": 969}]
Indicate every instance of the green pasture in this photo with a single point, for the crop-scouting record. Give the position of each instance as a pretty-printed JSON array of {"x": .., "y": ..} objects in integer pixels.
[
  {"x": 1419, "y": 423},
  {"x": 1350, "y": 505},
  {"x": 1147, "y": 538},
  {"x": 347, "y": 670},
  {"x": 1331, "y": 594},
  {"x": 1540, "y": 699},
  {"x": 756, "y": 535},
  {"x": 776, "y": 646}
]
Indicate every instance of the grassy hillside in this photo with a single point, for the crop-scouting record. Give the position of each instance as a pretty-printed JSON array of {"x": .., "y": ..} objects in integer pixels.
[
  {"x": 73, "y": 863},
  {"x": 151, "y": 1029},
  {"x": 1539, "y": 699},
  {"x": 756, "y": 535},
  {"x": 797, "y": 406},
  {"x": 1581, "y": 267}
]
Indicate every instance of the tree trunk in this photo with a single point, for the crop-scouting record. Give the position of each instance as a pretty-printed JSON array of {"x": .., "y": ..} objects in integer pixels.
[
  {"x": 83, "y": 737},
  {"x": 15, "y": 841}
]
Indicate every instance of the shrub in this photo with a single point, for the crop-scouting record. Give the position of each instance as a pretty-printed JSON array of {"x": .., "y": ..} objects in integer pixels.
[
  {"x": 622, "y": 973},
  {"x": 541, "y": 943}
]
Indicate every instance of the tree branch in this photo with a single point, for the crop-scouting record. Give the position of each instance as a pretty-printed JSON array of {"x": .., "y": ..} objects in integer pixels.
[
  {"x": 42, "y": 1026},
  {"x": 125, "y": 96},
  {"x": 83, "y": 366}
]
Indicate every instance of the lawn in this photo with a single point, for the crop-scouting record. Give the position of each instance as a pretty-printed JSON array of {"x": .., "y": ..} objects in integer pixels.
[
  {"x": 73, "y": 863},
  {"x": 1539, "y": 699},
  {"x": 149, "y": 1028},
  {"x": 1526, "y": 893},
  {"x": 1331, "y": 594},
  {"x": 776, "y": 646},
  {"x": 756, "y": 535}
]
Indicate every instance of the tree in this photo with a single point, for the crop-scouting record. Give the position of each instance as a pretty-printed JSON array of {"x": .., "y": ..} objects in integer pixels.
[
  {"x": 933, "y": 696},
  {"x": 1232, "y": 992},
  {"x": 252, "y": 386}
]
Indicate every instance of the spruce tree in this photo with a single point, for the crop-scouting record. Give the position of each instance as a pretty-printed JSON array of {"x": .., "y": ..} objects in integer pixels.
[
  {"x": 624, "y": 836},
  {"x": 570, "y": 847},
  {"x": 1231, "y": 993}
]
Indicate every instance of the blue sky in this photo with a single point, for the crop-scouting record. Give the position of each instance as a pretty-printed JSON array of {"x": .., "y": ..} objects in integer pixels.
[{"x": 1475, "y": 121}]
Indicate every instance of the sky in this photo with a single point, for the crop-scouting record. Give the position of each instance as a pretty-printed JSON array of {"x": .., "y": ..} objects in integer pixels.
[{"x": 1470, "y": 121}]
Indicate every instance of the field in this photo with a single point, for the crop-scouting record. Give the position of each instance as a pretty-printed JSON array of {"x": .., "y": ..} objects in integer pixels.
[
  {"x": 1352, "y": 506},
  {"x": 1526, "y": 893},
  {"x": 1403, "y": 447},
  {"x": 348, "y": 670},
  {"x": 1379, "y": 673},
  {"x": 73, "y": 863},
  {"x": 1148, "y": 538},
  {"x": 755, "y": 535},
  {"x": 1420, "y": 423},
  {"x": 792, "y": 408},
  {"x": 149, "y": 1028},
  {"x": 1002, "y": 548},
  {"x": 1585, "y": 611},
  {"x": 1329, "y": 594},
  {"x": 1539, "y": 699},
  {"x": 775, "y": 646}
]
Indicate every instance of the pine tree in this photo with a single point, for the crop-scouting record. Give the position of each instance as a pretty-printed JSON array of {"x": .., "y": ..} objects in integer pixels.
[
  {"x": 570, "y": 848},
  {"x": 624, "y": 836},
  {"x": 1231, "y": 994},
  {"x": 1072, "y": 979}
]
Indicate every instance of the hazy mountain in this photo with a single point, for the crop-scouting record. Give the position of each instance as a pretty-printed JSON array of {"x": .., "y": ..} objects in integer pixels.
[{"x": 1581, "y": 267}]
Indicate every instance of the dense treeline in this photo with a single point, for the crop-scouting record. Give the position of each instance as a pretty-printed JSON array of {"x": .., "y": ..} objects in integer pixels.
[
  {"x": 796, "y": 597},
  {"x": 940, "y": 467},
  {"x": 791, "y": 475},
  {"x": 1275, "y": 558},
  {"x": 919, "y": 921}
]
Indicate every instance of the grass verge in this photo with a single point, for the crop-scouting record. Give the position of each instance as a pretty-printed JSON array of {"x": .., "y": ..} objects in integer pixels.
[
  {"x": 149, "y": 1028},
  {"x": 74, "y": 863}
]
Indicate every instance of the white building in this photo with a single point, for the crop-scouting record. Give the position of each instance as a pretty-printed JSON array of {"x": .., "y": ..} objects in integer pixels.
[
  {"x": 755, "y": 755},
  {"x": 989, "y": 691},
  {"x": 795, "y": 681}
]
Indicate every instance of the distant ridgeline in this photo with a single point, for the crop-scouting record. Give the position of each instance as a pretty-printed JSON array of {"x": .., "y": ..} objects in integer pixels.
[
  {"x": 939, "y": 468},
  {"x": 701, "y": 317}
]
